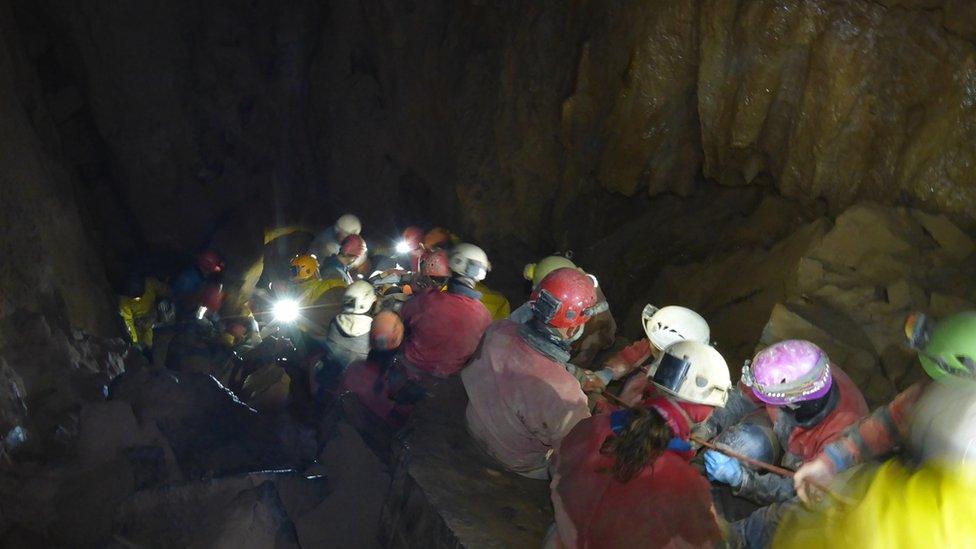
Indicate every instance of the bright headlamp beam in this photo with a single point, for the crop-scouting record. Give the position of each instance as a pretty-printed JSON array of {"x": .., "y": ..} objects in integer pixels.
[
  {"x": 403, "y": 247},
  {"x": 285, "y": 310}
]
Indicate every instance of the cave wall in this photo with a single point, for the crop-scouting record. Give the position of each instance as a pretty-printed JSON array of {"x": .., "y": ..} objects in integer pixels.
[
  {"x": 844, "y": 100},
  {"x": 56, "y": 307},
  {"x": 526, "y": 126},
  {"x": 50, "y": 262}
]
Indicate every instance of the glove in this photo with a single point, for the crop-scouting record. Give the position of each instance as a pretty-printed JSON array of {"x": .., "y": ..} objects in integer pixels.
[
  {"x": 820, "y": 471},
  {"x": 722, "y": 468},
  {"x": 592, "y": 383}
]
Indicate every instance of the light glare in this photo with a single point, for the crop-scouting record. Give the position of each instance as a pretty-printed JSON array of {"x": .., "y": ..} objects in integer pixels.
[{"x": 285, "y": 310}]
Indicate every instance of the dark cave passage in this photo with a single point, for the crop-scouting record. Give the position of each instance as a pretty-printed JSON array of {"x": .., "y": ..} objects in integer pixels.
[{"x": 788, "y": 169}]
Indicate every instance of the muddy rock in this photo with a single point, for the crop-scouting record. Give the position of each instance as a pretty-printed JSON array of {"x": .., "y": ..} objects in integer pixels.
[
  {"x": 846, "y": 100},
  {"x": 736, "y": 290},
  {"x": 840, "y": 337},
  {"x": 855, "y": 285},
  {"x": 210, "y": 431},
  {"x": 446, "y": 492},
  {"x": 220, "y": 513},
  {"x": 52, "y": 372}
]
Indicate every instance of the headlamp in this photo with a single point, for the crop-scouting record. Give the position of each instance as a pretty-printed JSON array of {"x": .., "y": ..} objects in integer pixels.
[
  {"x": 918, "y": 330},
  {"x": 403, "y": 247},
  {"x": 285, "y": 310}
]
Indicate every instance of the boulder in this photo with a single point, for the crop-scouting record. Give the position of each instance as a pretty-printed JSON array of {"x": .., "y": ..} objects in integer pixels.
[
  {"x": 736, "y": 289},
  {"x": 875, "y": 242},
  {"x": 210, "y": 431},
  {"x": 951, "y": 239},
  {"x": 233, "y": 512},
  {"x": 839, "y": 336},
  {"x": 446, "y": 492}
]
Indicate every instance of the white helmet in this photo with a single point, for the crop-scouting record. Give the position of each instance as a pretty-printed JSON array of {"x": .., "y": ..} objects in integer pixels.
[
  {"x": 359, "y": 297},
  {"x": 669, "y": 325},
  {"x": 943, "y": 427},
  {"x": 470, "y": 261},
  {"x": 346, "y": 225},
  {"x": 693, "y": 371}
]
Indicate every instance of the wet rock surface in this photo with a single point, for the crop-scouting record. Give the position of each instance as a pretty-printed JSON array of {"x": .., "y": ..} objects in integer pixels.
[
  {"x": 211, "y": 432},
  {"x": 221, "y": 513},
  {"x": 446, "y": 492}
]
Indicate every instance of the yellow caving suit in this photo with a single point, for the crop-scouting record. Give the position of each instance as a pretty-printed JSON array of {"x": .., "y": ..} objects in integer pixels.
[
  {"x": 320, "y": 301},
  {"x": 139, "y": 313},
  {"x": 901, "y": 507},
  {"x": 496, "y": 303}
]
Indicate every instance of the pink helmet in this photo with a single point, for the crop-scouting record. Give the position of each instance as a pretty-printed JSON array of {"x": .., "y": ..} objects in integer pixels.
[{"x": 789, "y": 371}]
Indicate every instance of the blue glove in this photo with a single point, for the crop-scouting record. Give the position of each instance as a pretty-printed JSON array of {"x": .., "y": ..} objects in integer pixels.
[{"x": 721, "y": 468}]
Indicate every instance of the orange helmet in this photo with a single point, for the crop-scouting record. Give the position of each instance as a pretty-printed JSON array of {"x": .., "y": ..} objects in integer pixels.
[
  {"x": 386, "y": 333},
  {"x": 438, "y": 237},
  {"x": 304, "y": 267}
]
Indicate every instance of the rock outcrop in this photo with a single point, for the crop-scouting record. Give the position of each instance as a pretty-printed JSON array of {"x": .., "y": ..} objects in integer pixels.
[
  {"x": 446, "y": 492},
  {"x": 847, "y": 286}
]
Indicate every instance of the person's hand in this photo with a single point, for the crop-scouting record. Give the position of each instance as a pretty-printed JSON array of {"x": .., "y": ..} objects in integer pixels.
[
  {"x": 819, "y": 471},
  {"x": 722, "y": 468},
  {"x": 592, "y": 383},
  {"x": 619, "y": 367}
]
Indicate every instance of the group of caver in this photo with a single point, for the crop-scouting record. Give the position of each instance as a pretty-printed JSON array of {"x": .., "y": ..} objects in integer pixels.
[{"x": 625, "y": 469}]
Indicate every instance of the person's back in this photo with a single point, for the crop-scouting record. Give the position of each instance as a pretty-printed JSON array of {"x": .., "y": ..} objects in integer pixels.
[
  {"x": 496, "y": 302},
  {"x": 348, "y": 338},
  {"x": 443, "y": 329},
  {"x": 521, "y": 402},
  {"x": 667, "y": 502},
  {"x": 333, "y": 269}
]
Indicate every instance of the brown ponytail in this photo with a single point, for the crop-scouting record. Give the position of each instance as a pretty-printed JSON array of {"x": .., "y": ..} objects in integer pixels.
[{"x": 642, "y": 441}]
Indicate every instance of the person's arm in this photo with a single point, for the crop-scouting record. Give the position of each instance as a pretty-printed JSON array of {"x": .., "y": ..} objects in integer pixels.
[
  {"x": 629, "y": 358},
  {"x": 130, "y": 324},
  {"x": 879, "y": 434},
  {"x": 764, "y": 488},
  {"x": 738, "y": 406}
]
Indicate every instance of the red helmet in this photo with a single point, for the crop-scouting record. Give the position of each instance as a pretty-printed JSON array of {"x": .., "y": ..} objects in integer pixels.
[
  {"x": 209, "y": 262},
  {"x": 566, "y": 298},
  {"x": 386, "y": 332},
  {"x": 353, "y": 245},
  {"x": 212, "y": 297},
  {"x": 435, "y": 263},
  {"x": 412, "y": 237}
]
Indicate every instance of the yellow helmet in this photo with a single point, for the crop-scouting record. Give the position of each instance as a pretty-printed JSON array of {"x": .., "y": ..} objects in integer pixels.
[
  {"x": 304, "y": 267},
  {"x": 535, "y": 272}
]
